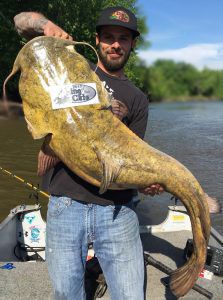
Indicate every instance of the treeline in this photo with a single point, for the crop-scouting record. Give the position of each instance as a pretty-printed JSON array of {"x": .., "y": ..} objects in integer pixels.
[{"x": 167, "y": 80}]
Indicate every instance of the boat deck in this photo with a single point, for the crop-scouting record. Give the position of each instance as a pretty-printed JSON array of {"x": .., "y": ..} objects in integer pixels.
[{"x": 29, "y": 280}]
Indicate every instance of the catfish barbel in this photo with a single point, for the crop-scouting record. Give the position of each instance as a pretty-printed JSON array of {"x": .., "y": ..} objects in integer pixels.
[{"x": 63, "y": 97}]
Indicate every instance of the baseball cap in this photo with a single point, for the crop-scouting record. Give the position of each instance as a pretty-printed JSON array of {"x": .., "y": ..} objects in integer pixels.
[{"x": 118, "y": 16}]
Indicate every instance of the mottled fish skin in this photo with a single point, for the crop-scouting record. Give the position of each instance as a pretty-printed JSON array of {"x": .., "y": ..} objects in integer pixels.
[{"x": 101, "y": 149}]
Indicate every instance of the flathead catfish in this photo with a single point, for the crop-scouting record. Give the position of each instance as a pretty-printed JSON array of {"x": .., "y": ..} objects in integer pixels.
[{"x": 63, "y": 97}]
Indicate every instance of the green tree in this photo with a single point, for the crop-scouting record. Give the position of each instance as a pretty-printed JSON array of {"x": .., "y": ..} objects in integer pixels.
[
  {"x": 209, "y": 82},
  {"x": 218, "y": 92},
  {"x": 168, "y": 80}
]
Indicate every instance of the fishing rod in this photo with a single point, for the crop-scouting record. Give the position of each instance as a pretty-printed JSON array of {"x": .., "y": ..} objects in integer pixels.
[{"x": 25, "y": 182}]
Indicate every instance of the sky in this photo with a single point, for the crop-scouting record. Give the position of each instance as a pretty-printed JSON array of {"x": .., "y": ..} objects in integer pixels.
[{"x": 184, "y": 30}]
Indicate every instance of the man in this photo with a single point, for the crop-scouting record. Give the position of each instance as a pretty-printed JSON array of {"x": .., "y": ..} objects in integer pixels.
[{"x": 77, "y": 213}]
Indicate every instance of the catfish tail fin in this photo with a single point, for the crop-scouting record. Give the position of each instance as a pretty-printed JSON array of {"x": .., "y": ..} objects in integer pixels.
[{"x": 184, "y": 278}]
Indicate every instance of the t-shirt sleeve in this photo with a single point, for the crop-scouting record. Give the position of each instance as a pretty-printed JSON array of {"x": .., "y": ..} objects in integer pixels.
[{"x": 139, "y": 117}]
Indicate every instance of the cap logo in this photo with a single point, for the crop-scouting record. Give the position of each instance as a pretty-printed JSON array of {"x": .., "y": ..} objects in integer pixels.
[{"x": 120, "y": 15}]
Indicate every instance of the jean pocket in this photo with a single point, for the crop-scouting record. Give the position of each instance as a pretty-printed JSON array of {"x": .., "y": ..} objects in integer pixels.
[{"x": 57, "y": 205}]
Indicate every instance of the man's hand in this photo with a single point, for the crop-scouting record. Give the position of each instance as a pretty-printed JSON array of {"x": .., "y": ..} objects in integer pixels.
[
  {"x": 51, "y": 29},
  {"x": 119, "y": 109},
  {"x": 152, "y": 190},
  {"x": 32, "y": 24}
]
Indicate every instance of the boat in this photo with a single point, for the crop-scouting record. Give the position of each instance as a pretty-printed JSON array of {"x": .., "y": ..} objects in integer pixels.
[{"x": 24, "y": 275}]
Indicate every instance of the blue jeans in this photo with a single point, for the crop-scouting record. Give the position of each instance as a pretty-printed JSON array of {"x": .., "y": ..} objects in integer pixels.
[{"x": 114, "y": 232}]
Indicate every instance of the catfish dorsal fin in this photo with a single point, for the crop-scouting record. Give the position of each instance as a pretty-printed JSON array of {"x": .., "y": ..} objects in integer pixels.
[{"x": 110, "y": 170}]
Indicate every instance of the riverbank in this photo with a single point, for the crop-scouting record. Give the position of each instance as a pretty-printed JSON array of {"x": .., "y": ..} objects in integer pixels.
[
  {"x": 188, "y": 99},
  {"x": 14, "y": 110}
]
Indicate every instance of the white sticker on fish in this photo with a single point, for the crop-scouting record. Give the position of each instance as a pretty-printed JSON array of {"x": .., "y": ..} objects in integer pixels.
[{"x": 73, "y": 94}]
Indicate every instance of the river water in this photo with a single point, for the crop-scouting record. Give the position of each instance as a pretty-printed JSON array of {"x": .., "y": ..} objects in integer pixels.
[{"x": 190, "y": 132}]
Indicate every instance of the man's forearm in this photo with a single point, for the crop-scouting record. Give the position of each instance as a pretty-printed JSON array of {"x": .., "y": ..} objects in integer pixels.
[{"x": 30, "y": 24}]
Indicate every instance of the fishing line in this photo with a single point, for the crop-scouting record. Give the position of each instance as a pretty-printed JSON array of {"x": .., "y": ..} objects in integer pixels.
[{"x": 25, "y": 182}]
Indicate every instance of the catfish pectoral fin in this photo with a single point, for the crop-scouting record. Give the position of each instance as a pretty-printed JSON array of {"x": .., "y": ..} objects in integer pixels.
[{"x": 110, "y": 170}]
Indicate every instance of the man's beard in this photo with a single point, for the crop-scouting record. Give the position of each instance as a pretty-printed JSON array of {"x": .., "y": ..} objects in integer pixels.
[{"x": 116, "y": 64}]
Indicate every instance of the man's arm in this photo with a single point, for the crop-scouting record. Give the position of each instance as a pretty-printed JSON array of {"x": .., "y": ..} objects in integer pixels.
[{"x": 32, "y": 24}]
